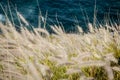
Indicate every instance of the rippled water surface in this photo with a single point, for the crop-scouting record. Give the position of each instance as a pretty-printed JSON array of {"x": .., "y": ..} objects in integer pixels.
[{"x": 66, "y": 12}]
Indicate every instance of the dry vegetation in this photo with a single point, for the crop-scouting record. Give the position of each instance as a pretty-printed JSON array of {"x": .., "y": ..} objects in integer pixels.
[{"x": 39, "y": 55}]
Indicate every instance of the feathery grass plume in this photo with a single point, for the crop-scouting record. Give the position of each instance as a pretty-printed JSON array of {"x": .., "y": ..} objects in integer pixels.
[
  {"x": 73, "y": 70},
  {"x": 81, "y": 56},
  {"x": 33, "y": 71},
  {"x": 80, "y": 29},
  {"x": 97, "y": 63},
  {"x": 57, "y": 29},
  {"x": 90, "y": 27},
  {"x": 109, "y": 70},
  {"x": 110, "y": 57},
  {"x": 22, "y": 19},
  {"x": 116, "y": 68}
]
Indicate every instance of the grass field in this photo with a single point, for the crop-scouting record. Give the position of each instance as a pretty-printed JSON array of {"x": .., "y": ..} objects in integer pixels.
[{"x": 39, "y": 55}]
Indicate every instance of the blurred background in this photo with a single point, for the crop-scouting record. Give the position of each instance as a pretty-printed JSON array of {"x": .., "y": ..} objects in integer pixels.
[{"x": 68, "y": 13}]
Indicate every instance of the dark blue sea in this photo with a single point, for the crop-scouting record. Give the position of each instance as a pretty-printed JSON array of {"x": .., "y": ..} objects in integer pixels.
[{"x": 67, "y": 13}]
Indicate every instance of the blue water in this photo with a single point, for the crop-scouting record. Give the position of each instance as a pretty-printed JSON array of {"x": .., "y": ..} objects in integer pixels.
[{"x": 69, "y": 13}]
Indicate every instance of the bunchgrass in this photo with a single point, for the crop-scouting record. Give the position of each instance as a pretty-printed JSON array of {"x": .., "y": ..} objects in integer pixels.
[{"x": 39, "y": 55}]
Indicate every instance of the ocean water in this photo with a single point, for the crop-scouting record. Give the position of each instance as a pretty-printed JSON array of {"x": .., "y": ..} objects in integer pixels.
[{"x": 67, "y": 13}]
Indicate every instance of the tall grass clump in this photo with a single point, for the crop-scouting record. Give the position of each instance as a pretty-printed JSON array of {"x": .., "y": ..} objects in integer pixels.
[{"x": 39, "y": 55}]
